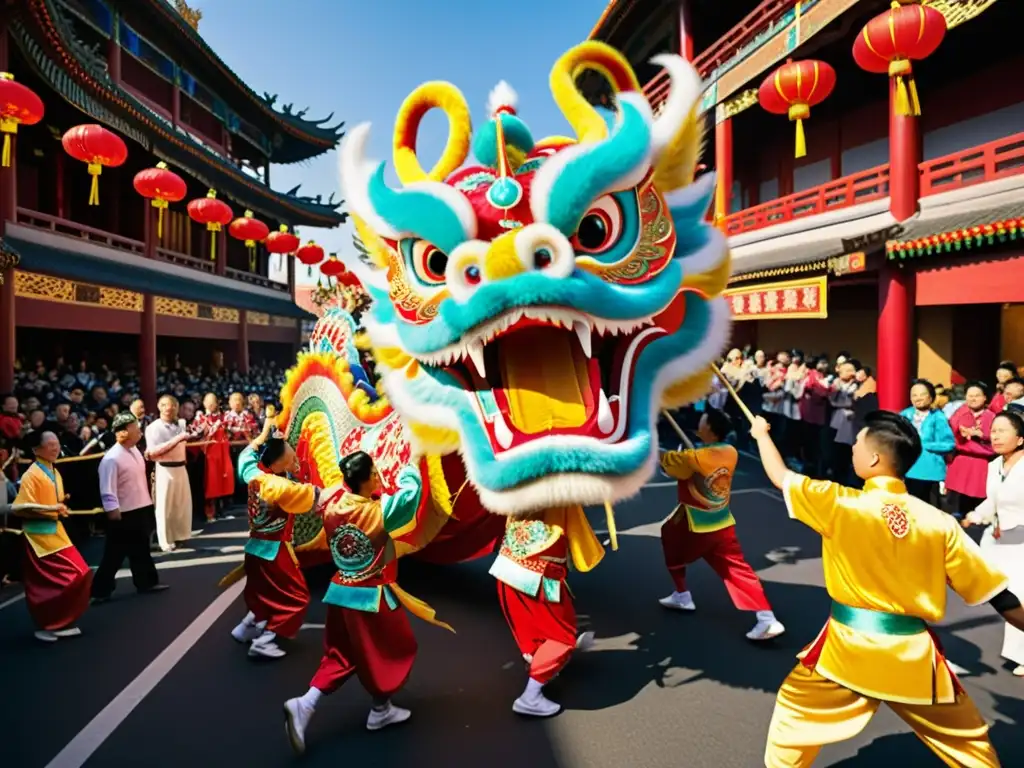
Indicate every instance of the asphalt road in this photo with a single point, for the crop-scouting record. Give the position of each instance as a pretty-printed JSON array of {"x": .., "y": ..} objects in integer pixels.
[{"x": 157, "y": 681}]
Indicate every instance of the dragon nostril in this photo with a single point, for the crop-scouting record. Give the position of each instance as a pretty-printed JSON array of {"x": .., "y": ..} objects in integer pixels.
[
  {"x": 472, "y": 275},
  {"x": 542, "y": 258}
]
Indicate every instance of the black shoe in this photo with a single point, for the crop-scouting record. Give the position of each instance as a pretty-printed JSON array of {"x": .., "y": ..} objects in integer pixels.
[
  {"x": 97, "y": 600},
  {"x": 154, "y": 588}
]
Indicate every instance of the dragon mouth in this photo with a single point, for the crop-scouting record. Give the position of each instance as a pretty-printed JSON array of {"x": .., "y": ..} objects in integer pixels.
[{"x": 542, "y": 373}]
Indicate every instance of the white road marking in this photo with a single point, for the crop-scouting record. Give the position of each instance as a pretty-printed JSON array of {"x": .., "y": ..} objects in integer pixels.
[
  {"x": 169, "y": 565},
  {"x": 12, "y": 601},
  {"x": 312, "y": 626},
  {"x": 243, "y": 534},
  {"x": 90, "y": 738}
]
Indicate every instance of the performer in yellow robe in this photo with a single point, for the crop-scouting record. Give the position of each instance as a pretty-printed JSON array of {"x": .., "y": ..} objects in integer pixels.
[
  {"x": 57, "y": 580},
  {"x": 888, "y": 558}
]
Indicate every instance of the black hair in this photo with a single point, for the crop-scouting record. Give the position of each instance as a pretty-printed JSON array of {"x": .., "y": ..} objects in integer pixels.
[
  {"x": 867, "y": 370},
  {"x": 271, "y": 451},
  {"x": 356, "y": 469},
  {"x": 1008, "y": 365},
  {"x": 977, "y": 385},
  {"x": 854, "y": 362},
  {"x": 843, "y": 354},
  {"x": 896, "y": 438},
  {"x": 1014, "y": 380},
  {"x": 35, "y": 438},
  {"x": 926, "y": 384},
  {"x": 1013, "y": 415},
  {"x": 718, "y": 422}
]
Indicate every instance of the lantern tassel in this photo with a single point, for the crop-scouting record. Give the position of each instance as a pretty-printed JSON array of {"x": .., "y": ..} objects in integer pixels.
[
  {"x": 613, "y": 533},
  {"x": 252, "y": 258},
  {"x": 902, "y": 97},
  {"x": 95, "y": 169},
  {"x": 6, "y": 162},
  {"x": 801, "y": 139},
  {"x": 915, "y": 103}
]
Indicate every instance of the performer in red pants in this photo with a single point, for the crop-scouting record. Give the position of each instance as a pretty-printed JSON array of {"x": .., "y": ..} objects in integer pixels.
[
  {"x": 368, "y": 634},
  {"x": 702, "y": 526}
]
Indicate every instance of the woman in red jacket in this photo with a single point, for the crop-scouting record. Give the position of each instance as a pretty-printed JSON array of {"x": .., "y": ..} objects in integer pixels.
[{"x": 972, "y": 427}]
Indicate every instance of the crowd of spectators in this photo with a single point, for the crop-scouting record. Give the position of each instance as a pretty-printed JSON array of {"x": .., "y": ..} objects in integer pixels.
[{"x": 78, "y": 402}]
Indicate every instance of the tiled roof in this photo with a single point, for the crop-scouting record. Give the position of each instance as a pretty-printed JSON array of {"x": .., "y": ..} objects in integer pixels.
[
  {"x": 82, "y": 79},
  {"x": 967, "y": 231}
]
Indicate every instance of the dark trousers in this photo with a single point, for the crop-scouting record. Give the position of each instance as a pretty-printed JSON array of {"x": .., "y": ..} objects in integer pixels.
[
  {"x": 925, "y": 490},
  {"x": 127, "y": 538}
]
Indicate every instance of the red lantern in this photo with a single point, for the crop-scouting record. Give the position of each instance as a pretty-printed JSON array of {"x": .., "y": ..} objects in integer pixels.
[
  {"x": 95, "y": 145},
  {"x": 282, "y": 241},
  {"x": 793, "y": 89},
  {"x": 161, "y": 187},
  {"x": 213, "y": 213},
  {"x": 332, "y": 268},
  {"x": 310, "y": 254},
  {"x": 251, "y": 231},
  {"x": 889, "y": 41},
  {"x": 19, "y": 105}
]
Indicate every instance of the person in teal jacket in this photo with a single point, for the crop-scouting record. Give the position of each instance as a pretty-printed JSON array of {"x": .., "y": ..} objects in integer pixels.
[{"x": 936, "y": 441}]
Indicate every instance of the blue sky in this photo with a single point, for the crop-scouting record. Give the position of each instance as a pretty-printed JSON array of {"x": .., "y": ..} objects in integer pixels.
[{"x": 360, "y": 58}]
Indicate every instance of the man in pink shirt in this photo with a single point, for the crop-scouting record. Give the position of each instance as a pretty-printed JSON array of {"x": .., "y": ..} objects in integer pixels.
[{"x": 126, "y": 500}]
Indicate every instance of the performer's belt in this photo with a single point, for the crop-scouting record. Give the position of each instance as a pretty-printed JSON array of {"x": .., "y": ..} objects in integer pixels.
[
  {"x": 879, "y": 622},
  {"x": 558, "y": 560},
  {"x": 172, "y": 464}
]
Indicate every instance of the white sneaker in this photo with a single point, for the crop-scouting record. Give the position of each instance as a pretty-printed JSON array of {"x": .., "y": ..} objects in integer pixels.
[
  {"x": 528, "y": 658},
  {"x": 1019, "y": 671},
  {"x": 382, "y": 718},
  {"x": 46, "y": 636},
  {"x": 265, "y": 646},
  {"x": 246, "y": 631},
  {"x": 678, "y": 601},
  {"x": 766, "y": 629},
  {"x": 538, "y": 705},
  {"x": 67, "y": 632},
  {"x": 585, "y": 641},
  {"x": 296, "y": 719}
]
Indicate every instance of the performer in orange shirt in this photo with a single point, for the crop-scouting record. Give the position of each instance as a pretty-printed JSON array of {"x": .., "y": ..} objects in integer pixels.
[
  {"x": 702, "y": 526},
  {"x": 888, "y": 558},
  {"x": 57, "y": 580}
]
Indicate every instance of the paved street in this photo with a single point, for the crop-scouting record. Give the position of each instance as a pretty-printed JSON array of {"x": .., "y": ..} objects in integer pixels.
[{"x": 158, "y": 681}]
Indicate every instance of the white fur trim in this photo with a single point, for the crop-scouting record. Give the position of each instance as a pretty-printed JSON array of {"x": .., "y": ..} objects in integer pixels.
[
  {"x": 356, "y": 170},
  {"x": 553, "y": 167},
  {"x": 502, "y": 95},
  {"x": 368, "y": 276},
  {"x": 709, "y": 257},
  {"x": 684, "y": 197},
  {"x": 685, "y": 90},
  {"x": 534, "y": 236}
]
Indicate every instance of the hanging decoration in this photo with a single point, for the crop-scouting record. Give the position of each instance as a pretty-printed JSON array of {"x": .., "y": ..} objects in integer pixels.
[
  {"x": 252, "y": 231},
  {"x": 161, "y": 187},
  {"x": 793, "y": 89},
  {"x": 887, "y": 44},
  {"x": 332, "y": 268},
  {"x": 19, "y": 105},
  {"x": 213, "y": 213},
  {"x": 282, "y": 242},
  {"x": 310, "y": 254},
  {"x": 97, "y": 147}
]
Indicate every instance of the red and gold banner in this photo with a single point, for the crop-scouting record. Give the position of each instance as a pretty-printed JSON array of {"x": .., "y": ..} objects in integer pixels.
[{"x": 791, "y": 300}]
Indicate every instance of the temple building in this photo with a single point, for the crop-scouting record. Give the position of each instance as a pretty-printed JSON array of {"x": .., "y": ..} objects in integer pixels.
[
  {"x": 887, "y": 220},
  {"x": 89, "y": 252}
]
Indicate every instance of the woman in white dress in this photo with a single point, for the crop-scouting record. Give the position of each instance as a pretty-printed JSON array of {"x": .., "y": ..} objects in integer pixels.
[{"x": 1003, "y": 512}]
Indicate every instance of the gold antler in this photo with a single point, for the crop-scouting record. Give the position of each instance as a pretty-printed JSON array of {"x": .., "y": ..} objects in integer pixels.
[
  {"x": 428, "y": 96},
  {"x": 585, "y": 120}
]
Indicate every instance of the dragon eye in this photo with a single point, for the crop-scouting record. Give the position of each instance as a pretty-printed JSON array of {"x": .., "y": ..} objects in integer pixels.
[
  {"x": 429, "y": 263},
  {"x": 600, "y": 228}
]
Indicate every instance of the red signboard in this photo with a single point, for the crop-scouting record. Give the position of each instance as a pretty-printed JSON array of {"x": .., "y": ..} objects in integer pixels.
[{"x": 791, "y": 300}]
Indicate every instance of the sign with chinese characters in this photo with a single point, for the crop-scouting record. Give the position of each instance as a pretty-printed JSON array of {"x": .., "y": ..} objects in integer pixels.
[
  {"x": 847, "y": 264},
  {"x": 791, "y": 300}
]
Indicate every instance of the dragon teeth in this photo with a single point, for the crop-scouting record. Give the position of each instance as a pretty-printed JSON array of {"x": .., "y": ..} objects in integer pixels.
[
  {"x": 476, "y": 354},
  {"x": 584, "y": 335},
  {"x": 605, "y": 419}
]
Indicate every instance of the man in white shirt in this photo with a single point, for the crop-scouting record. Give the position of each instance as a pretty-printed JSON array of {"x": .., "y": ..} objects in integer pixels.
[
  {"x": 125, "y": 496},
  {"x": 172, "y": 494}
]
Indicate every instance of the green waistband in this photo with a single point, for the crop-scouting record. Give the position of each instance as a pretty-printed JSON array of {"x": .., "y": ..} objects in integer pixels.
[
  {"x": 39, "y": 527},
  {"x": 879, "y": 622}
]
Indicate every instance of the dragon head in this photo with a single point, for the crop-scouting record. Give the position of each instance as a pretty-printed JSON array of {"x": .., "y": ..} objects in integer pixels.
[{"x": 535, "y": 311}]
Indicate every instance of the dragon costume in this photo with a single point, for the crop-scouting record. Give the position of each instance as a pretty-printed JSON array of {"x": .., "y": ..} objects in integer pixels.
[{"x": 533, "y": 313}]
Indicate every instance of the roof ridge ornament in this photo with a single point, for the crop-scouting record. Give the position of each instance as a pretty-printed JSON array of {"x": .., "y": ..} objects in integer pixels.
[{"x": 192, "y": 16}]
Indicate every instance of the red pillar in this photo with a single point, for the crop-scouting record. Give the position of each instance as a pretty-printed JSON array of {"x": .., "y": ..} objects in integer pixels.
[
  {"x": 904, "y": 160},
  {"x": 895, "y": 324},
  {"x": 243, "y": 342},
  {"x": 685, "y": 37},
  {"x": 8, "y": 212},
  {"x": 723, "y": 167}
]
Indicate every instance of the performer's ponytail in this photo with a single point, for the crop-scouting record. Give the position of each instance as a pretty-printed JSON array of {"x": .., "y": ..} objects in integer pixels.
[{"x": 356, "y": 469}]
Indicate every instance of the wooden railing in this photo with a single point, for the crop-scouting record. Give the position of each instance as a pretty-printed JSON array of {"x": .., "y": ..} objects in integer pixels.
[
  {"x": 862, "y": 187},
  {"x": 249, "y": 277},
  {"x": 996, "y": 160},
  {"x": 77, "y": 231},
  {"x": 760, "y": 21},
  {"x": 184, "y": 260}
]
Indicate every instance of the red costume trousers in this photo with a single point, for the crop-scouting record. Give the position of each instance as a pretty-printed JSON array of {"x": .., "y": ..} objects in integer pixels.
[
  {"x": 378, "y": 647},
  {"x": 57, "y": 587},
  {"x": 721, "y": 550},
  {"x": 276, "y": 592},
  {"x": 545, "y": 630}
]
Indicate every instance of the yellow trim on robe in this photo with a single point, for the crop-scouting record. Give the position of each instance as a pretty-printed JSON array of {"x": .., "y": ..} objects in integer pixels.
[
  {"x": 287, "y": 495},
  {"x": 37, "y": 488},
  {"x": 584, "y": 547},
  {"x": 883, "y": 550},
  {"x": 418, "y": 608}
]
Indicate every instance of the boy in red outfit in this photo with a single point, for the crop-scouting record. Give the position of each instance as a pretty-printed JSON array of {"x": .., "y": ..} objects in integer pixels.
[{"x": 702, "y": 526}]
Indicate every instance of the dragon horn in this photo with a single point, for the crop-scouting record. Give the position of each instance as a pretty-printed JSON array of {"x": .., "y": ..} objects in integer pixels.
[
  {"x": 585, "y": 120},
  {"x": 428, "y": 96}
]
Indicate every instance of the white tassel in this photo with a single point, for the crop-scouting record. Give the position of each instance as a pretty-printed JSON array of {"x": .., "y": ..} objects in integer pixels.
[{"x": 502, "y": 95}]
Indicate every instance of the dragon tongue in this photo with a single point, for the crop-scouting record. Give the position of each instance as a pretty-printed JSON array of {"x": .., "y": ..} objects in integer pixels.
[{"x": 543, "y": 378}]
